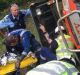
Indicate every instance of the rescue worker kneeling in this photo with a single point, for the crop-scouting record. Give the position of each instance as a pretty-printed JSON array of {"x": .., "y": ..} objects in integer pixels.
[{"x": 21, "y": 42}]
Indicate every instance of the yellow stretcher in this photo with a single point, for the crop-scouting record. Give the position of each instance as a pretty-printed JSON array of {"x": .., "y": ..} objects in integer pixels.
[{"x": 11, "y": 66}]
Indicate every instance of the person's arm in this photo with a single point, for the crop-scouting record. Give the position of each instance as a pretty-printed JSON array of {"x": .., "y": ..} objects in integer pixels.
[
  {"x": 26, "y": 12},
  {"x": 45, "y": 33},
  {"x": 6, "y": 22},
  {"x": 25, "y": 43},
  {"x": 25, "y": 40}
]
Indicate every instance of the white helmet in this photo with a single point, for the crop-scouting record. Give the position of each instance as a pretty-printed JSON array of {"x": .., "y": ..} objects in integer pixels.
[{"x": 57, "y": 29}]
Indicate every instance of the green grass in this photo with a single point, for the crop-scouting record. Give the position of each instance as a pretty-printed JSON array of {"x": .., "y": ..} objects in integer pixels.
[
  {"x": 2, "y": 47},
  {"x": 31, "y": 26}
]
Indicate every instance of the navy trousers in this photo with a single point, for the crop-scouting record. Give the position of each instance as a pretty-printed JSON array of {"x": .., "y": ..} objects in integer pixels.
[{"x": 44, "y": 52}]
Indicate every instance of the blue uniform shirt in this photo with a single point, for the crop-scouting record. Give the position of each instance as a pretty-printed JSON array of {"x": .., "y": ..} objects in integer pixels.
[
  {"x": 23, "y": 45},
  {"x": 6, "y": 21}
]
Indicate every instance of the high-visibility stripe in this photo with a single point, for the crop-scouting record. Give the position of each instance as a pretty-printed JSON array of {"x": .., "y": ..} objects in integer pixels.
[
  {"x": 21, "y": 34},
  {"x": 68, "y": 67},
  {"x": 15, "y": 31},
  {"x": 54, "y": 68},
  {"x": 61, "y": 51}
]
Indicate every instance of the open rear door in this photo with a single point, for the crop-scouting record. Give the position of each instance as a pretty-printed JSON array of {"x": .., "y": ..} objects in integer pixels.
[{"x": 44, "y": 13}]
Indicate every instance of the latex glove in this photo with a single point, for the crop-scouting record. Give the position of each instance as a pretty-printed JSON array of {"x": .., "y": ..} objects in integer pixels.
[
  {"x": 4, "y": 61},
  {"x": 12, "y": 57},
  {"x": 31, "y": 54}
]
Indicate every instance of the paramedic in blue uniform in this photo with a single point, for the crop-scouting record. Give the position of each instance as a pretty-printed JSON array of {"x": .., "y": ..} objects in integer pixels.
[
  {"x": 17, "y": 17},
  {"x": 21, "y": 41}
]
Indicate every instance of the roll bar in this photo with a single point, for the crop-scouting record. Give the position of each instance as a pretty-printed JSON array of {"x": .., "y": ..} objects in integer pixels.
[{"x": 58, "y": 24}]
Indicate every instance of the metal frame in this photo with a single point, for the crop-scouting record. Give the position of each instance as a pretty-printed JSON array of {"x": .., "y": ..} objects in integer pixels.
[
  {"x": 57, "y": 5},
  {"x": 58, "y": 24},
  {"x": 65, "y": 42}
]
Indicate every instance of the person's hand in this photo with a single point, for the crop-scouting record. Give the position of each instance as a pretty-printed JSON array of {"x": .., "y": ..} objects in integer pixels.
[
  {"x": 3, "y": 61},
  {"x": 49, "y": 41},
  {"x": 32, "y": 4},
  {"x": 31, "y": 54},
  {"x": 50, "y": 2},
  {"x": 42, "y": 28},
  {"x": 17, "y": 64}
]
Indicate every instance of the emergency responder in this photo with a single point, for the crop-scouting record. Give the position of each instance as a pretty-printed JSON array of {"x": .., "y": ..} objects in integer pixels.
[
  {"x": 55, "y": 68},
  {"x": 58, "y": 45},
  {"x": 16, "y": 18},
  {"x": 20, "y": 42}
]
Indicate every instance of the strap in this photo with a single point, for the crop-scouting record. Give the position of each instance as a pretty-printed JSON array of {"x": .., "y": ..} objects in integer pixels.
[{"x": 68, "y": 61}]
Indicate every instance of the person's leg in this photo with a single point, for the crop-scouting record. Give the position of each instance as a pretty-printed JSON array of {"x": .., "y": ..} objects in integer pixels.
[
  {"x": 47, "y": 54},
  {"x": 44, "y": 54},
  {"x": 12, "y": 73},
  {"x": 17, "y": 72}
]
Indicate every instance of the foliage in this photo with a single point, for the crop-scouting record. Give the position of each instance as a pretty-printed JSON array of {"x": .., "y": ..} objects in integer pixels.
[
  {"x": 6, "y": 3},
  {"x": 3, "y": 5}
]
